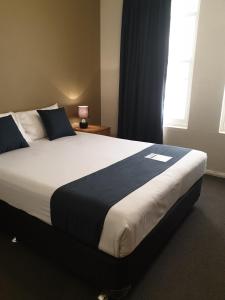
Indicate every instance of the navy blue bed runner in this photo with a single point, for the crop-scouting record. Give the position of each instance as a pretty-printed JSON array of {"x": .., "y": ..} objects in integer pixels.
[{"x": 80, "y": 207}]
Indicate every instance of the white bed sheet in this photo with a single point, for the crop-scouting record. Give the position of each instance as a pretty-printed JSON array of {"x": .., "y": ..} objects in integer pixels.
[{"x": 29, "y": 177}]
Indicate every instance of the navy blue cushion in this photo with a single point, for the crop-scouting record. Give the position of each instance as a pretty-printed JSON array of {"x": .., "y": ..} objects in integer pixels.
[
  {"x": 56, "y": 123},
  {"x": 10, "y": 136}
]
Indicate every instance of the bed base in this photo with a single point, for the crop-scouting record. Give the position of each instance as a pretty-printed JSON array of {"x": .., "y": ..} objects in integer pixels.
[{"x": 92, "y": 265}]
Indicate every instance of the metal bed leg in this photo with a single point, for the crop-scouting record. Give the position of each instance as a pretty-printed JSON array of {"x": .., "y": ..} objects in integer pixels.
[
  {"x": 14, "y": 240},
  {"x": 103, "y": 297}
]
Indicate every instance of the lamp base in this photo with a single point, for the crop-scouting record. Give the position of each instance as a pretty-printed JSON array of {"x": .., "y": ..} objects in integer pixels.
[{"x": 83, "y": 125}]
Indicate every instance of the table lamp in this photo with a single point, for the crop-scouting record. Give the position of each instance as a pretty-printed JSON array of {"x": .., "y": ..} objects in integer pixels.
[{"x": 83, "y": 115}]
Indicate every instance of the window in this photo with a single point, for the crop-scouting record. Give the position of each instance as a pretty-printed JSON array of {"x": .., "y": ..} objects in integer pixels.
[
  {"x": 182, "y": 44},
  {"x": 222, "y": 119}
]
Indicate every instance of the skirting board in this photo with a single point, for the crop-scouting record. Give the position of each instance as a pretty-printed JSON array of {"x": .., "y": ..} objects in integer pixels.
[{"x": 215, "y": 173}]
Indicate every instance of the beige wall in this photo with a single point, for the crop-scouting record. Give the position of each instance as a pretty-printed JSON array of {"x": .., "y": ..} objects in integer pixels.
[
  {"x": 50, "y": 52},
  {"x": 111, "y": 15},
  {"x": 208, "y": 80}
]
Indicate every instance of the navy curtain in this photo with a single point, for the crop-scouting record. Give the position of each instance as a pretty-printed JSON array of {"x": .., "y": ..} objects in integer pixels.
[{"x": 143, "y": 68}]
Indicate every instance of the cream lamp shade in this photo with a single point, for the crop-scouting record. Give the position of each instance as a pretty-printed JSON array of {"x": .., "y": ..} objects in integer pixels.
[{"x": 83, "y": 111}]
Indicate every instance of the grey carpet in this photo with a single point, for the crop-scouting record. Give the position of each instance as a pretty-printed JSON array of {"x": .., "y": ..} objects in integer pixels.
[{"x": 190, "y": 267}]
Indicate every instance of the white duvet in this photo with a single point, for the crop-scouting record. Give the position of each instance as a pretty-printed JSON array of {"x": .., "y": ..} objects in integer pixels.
[{"x": 29, "y": 177}]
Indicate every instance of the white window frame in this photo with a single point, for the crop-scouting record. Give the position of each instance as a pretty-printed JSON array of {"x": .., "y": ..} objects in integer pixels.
[
  {"x": 183, "y": 123},
  {"x": 222, "y": 118}
]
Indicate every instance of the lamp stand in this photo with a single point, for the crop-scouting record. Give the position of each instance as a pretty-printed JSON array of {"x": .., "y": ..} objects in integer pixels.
[{"x": 83, "y": 124}]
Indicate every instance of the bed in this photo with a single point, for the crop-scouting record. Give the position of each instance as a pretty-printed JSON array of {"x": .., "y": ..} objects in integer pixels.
[{"x": 134, "y": 229}]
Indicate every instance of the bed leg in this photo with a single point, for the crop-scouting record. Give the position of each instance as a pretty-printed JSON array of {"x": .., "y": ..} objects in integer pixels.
[
  {"x": 103, "y": 297},
  {"x": 14, "y": 240}
]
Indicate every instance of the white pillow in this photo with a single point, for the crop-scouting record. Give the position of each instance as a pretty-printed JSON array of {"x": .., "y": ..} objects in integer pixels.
[
  {"x": 26, "y": 137},
  {"x": 32, "y": 124}
]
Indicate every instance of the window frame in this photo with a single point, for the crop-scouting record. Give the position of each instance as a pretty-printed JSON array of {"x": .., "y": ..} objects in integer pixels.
[
  {"x": 222, "y": 117},
  {"x": 183, "y": 123}
]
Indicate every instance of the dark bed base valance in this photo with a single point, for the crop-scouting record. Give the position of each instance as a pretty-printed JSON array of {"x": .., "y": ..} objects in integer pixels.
[{"x": 94, "y": 266}]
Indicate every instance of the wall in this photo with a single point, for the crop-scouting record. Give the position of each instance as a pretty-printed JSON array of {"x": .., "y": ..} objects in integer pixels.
[
  {"x": 111, "y": 15},
  {"x": 50, "y": 52},
  {"x": 208, "y": 81}
]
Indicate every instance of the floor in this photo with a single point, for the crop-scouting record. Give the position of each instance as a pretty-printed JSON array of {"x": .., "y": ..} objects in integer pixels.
[{"x": 190, "y": 267}]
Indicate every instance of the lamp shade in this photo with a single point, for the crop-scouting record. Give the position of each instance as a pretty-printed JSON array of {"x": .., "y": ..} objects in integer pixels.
[{"x": 83, "y": 112}]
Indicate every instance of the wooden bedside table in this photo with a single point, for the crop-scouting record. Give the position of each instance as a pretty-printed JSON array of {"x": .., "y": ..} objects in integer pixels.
[{"x": 97, "y": 129}]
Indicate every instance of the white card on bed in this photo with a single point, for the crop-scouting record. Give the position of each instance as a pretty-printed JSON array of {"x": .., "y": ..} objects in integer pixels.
[{"x": 158, "y": 157}]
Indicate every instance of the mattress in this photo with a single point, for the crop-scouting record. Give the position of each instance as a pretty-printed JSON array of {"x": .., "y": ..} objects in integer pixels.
[{"x": 30, "y": 176}]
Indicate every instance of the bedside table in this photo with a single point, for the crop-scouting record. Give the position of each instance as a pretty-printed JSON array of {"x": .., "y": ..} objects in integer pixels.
[{"x": 97, "y": 129}]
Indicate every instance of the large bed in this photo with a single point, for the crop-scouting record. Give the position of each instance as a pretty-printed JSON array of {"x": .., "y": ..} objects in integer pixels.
[{"x": 135, "y": 228}]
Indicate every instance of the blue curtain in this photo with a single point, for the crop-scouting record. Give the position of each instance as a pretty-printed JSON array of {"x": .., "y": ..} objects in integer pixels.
[{"x": 143, "y": 68}]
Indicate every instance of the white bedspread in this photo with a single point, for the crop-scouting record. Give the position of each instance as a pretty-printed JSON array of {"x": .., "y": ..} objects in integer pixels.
[{"x": 29, "y": 177}]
